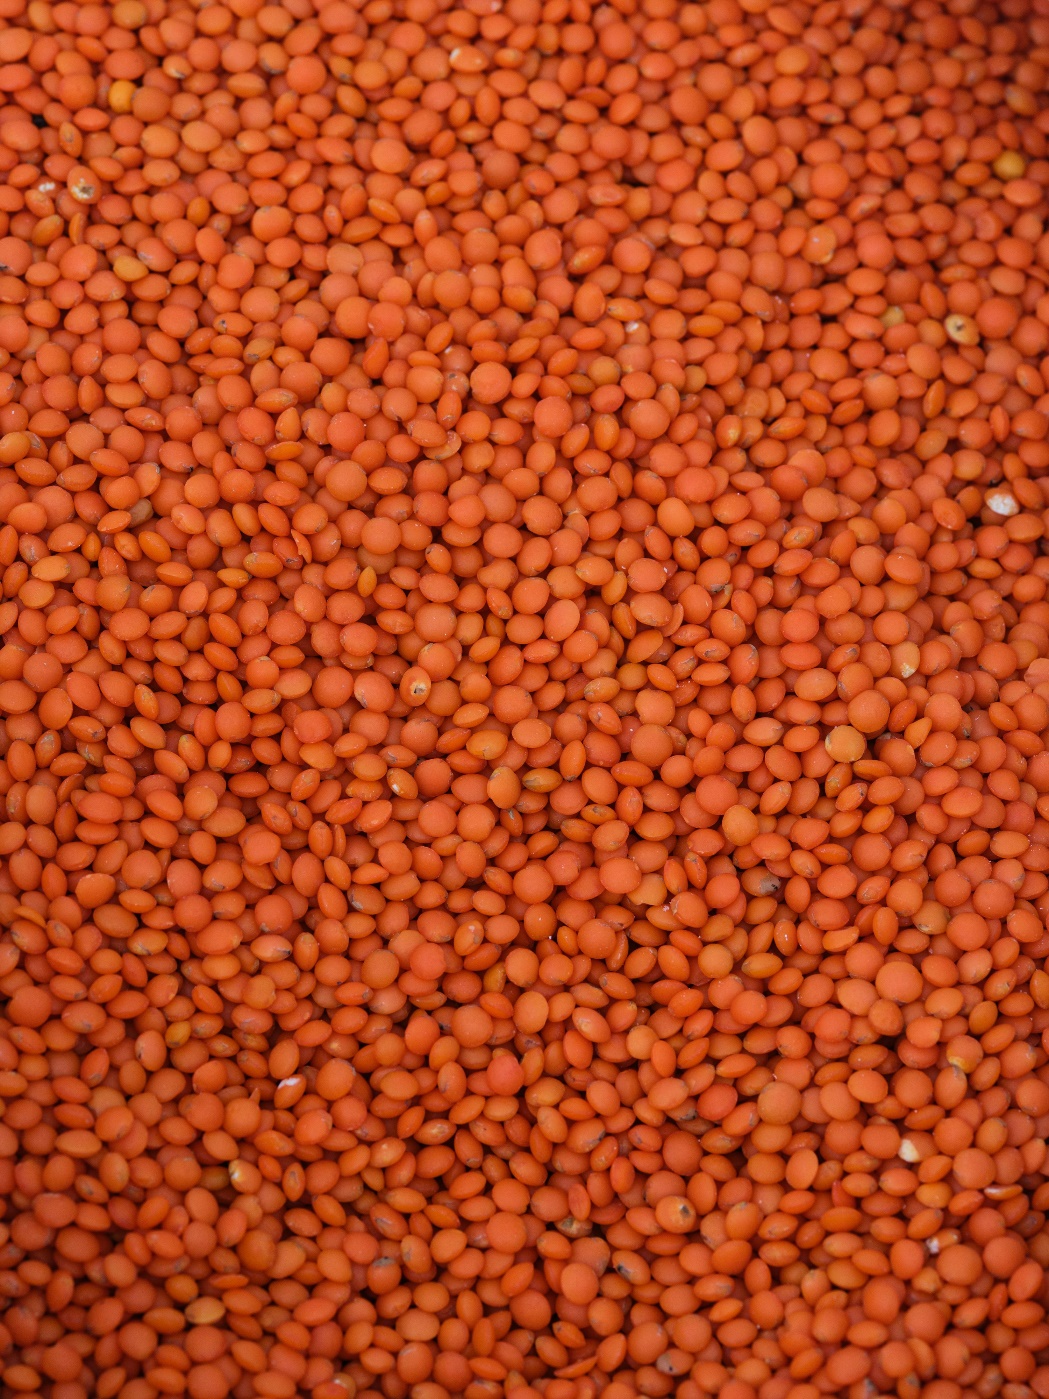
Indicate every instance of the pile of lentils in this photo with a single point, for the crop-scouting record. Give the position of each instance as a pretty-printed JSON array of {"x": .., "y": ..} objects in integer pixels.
[{"x": 524, "y": 664}]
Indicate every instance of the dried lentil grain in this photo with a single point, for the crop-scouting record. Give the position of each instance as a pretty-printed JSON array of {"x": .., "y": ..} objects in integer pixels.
[{"x": 524, "y": 664}]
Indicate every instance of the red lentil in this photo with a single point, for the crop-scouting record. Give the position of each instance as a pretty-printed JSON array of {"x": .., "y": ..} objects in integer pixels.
[{"x": 524, "y": 664}]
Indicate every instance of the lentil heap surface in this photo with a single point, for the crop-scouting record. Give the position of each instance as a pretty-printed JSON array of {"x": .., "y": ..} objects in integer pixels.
[{"x": 525, "y": 698}]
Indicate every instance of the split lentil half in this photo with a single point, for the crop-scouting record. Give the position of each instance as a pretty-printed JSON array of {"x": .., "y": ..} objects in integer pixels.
[{"x": 525, "y": 692}]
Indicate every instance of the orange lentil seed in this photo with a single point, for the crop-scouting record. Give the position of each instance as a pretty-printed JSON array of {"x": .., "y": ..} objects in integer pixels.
[{"x": 524, "y": 699}]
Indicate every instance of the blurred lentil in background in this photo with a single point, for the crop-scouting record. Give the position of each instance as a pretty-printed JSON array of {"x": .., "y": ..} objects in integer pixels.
[{"x": 525, "y": 676}]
